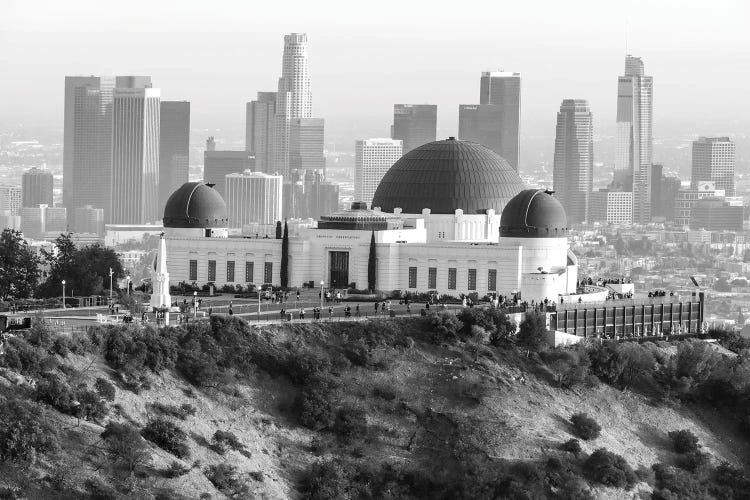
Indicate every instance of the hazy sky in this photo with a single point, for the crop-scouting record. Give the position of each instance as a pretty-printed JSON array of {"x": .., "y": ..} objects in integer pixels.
[{"x": 366, "y": 56}]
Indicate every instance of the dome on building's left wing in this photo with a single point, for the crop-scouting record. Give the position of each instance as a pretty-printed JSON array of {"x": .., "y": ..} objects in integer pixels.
[{"x": 196, "y": 205}]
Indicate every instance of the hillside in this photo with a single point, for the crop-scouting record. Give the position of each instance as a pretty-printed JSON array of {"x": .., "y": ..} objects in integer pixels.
[{"x": 404, "y": 408}]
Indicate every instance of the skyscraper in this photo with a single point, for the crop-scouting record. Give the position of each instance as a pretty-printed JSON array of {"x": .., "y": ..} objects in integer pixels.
[
  {"x": 174, "y": 148},
  {"x": 10, "y": 200},
  {"x": 218, "y": 164},
  {"x": 503, "y": 89},
  {"x": 135, "y": 156},
  {"x": 481, "y": 123},
  {"x": 253, "y": 198},
  {"x": 414, "y": 124},
  {"x": 293, "y": 99},
  {"x": 714, "y": 160},
  {"x": 634, "y": 134},
  {"x": 36, "y": 186},
  {"x": 372, "y": 159},
  {"x": 306, "y": 142},
  {"x": 259, "y": 129},
  {"x": 574, "y": 158},
  {"x": 87, "y": 142}
]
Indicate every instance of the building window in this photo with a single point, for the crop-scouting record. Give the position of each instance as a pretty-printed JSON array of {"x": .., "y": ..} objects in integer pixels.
[
  {"x": 193, "y": 270},
  {"x": 432, "y": 278},
  {"x": 492, "y": 280},
  {"x": 211, "y": 271},
  {"x": 451, "y": 278},
  {"x": 249, "y": 272},
  {"x": 268, "y": 272},
  {"x": 230, "y": 271},
  {"x": 472, "y": 279},
  {"x": 412, "y": 277}
]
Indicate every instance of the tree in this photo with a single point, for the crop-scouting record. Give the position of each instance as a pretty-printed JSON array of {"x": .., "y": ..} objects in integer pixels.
[
  {"x": 371, "y": 265},
  {"x": 125, "y": 445},
  {"x": 278, "y": 229},
  {"x": 532, "y": 331},
  {"x": 24, "y": 433},
  {"x": 285, "y": 257},
  {"x": 19, "y": 266}
]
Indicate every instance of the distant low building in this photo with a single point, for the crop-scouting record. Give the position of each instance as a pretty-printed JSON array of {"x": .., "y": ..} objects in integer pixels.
[
  {"x": 611, "y": 207},
  {"x": 687, "y": 198},
  {"x": 716, "y": 214}
]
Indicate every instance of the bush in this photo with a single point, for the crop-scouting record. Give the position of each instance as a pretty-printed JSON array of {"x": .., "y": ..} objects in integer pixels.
[
  {"x": 24, "y": 434},
  {"x": 54, "y": 390},
  {"x": 226, "y": 479},
  {"x": 445, "y": 327},
  {"x": 167, "y": 436},
  {"x": 179, "y": 412},
  {"x": 314, "y": 407},
  {"x": 61, "y": 346},
  {"x": 126, "y": 446},
  {"x": 585, "y": 427},
  {"x": 569, "y": 368},
  {"x": 693, "y": 460},
  {"x": 350, "y": 423},
  {"x": 684, "y": 441},
  {"x": 674, "y": 484},
  {"x": 225, "y": 440},
  {"x": 105, "y": 389},
  {"x": 384, "y": 391},
  {"x": 609, "y": 469},
  {"x": 572, "y": 445},
  {"x": 532, "y": 332},
  {"x": 176, "y": 469},
  {"x": 90, "y": 405}
]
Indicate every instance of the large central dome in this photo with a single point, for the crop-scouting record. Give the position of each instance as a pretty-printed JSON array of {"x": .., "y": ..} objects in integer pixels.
[{"x": 447, "y": 175}]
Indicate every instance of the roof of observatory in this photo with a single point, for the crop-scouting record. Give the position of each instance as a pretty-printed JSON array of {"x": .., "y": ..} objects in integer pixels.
[
  {"x": 196, "y": 205},
  {"x": 534, "y": 213},
  {"x": 448, "y": 175}
]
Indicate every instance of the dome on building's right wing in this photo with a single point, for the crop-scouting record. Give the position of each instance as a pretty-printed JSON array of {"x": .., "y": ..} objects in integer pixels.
[
  {"x": 447, "y": 175},
  {"x": 534, "y": 213},
  {"x": 195, "y": 205}
]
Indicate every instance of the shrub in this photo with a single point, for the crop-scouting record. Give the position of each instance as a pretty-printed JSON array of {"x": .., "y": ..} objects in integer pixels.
[
  {"x": 444, "y": 326},
  {"x": 693, "y": 460},
  {"x": 90, "y": 405},
  {"x": 226, "y": 479},
  {"x": 179, "y": 412},
  {"x": 314, "y": 407},
  {"x": 61, "y": 346},
  {"x": 674, "y": 484},
  {"x": 609, "y": 469},
  {"x": 167, "y": 436},
  {"x": 176, "y": 469},
  {"x": 350, "y": 423},
  {"x": 105, "y": 389},
  {"x": 55, "y": 391},
  {"x": 684, "y": 441},
  {"x": 585, "y": 427},
  {"x": 23, "y": 357},
  {"x": 328, "y": 480},
  {"x": 572, "y": 445},
  {"x": 384, "y": 391},
  {"x": 126, "y": 446},
  {"x": 24, "y": 434},
  {"x": 532, "y": 332},
  {"x": 225, "y": 440},
  {"x": 569, "y": 368}
]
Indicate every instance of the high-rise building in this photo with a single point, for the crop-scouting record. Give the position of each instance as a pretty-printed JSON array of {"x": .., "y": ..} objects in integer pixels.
[
  {"x": 259, "y": 129},
  {"x": 89, "y": 220},
  {"x": 36, "y": 186},
  {"x": 574, "y": 158},
  {"x": 87, "y": 143},
  {"x": 414, "y": 124},
  {"x": 714, "y": 160},
  {"x": 293, "y": 99},
  {"x": 10, "y": 200},
  {"x": 503, "y": 89},
  {"x": 687, "y": 198},
  {"x": 634, "y": 134},
  {"x": 218, "y": 164},
  {"x": 253, "y": 198},
  {"x": 372, "y": 159},
  {"x": 174, "y": 148},
  {"x": 306, "y": 143},
  {"x": 43, "y": 220},
  {"x": 611, "y": 207},
  {"x": 135, "y": 156},
  {"x": 481, "y": 123},
  {"x": 309, "y": 195},
  {"x": 716, "y": 214}
]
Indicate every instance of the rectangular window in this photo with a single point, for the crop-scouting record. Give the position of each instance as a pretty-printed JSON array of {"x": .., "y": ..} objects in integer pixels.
[
  {"x": 268, "y": 272},
  {"x": 451, "y": 278},
  {"x": 230, "y": 271},
  {"x": 212, "y": 271},
  {"x": 412, "y": 277},
  {"x": 249, "y": 272},
  {"x": 472, "y": 279},
  {"x": 193, "y": 270},
  {"x": 492, "y": 280},
  {"x": 432, "y": 278}
]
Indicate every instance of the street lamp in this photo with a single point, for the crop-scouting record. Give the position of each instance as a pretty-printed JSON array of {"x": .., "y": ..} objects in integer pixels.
[
  {"x": 195, "y": 305},
  {"x": 63, "y": 284},
  {"x": 111, "y": 274},
  {"x": 128, "y": 278},
  {"x": 321, "y": 295}
]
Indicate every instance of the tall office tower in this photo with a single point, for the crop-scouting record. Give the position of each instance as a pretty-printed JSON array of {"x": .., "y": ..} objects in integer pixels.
[
  {"x": 253, "y": 198},
  {"x": 36, "y": 187},
  {"x": 89, "y": 220},
  {"x": 321, "y": 197},
  {"x": 87, "y": 143},
  {"x": 634, "y": 134},
  {"x": 480, "y": 123},
  {"x": 372, "y": 159},
  {"x": 306, "y": 142},
  {"x": 174, "y": 148},
  {"x": 259, "y": 127},
  {"x": 573, "y": 173},
  {"x": 135, "y": 156},
  {"x": 414, "y": 124},
  {"x": 10, "y": 200},
  {"x": 503, "y": 89},
  {"x": 714, "y": 160},
  {"x": 293, "y": 99},
  {"x": 218, "y": 164}
]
